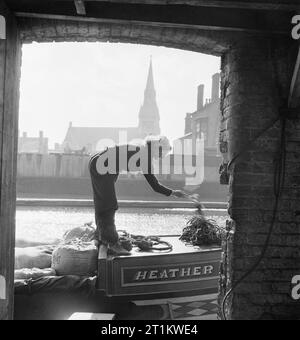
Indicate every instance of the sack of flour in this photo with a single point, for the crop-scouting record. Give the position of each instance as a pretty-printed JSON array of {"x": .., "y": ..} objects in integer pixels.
[
  {"x": 85, "y": 233},
  {"x": 76, "y": 258}
]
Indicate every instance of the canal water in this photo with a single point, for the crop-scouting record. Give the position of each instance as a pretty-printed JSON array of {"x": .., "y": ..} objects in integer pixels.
[{"x": 45, "y": 224}]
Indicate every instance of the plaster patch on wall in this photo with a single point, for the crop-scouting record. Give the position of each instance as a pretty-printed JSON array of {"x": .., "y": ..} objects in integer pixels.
[
  {"x": 2, "y": 288},
  {"x": 2, "y": 27}
]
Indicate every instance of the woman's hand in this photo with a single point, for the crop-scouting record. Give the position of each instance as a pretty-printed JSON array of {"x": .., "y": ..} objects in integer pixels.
[{"x": 178, "y": 194}]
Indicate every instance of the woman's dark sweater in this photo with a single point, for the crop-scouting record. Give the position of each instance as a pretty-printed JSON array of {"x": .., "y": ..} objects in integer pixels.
[{"x": 131, "y": 151}]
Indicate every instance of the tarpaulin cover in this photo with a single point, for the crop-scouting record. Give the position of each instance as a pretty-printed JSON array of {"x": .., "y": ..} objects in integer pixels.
[{"x": 57, "y": 284}]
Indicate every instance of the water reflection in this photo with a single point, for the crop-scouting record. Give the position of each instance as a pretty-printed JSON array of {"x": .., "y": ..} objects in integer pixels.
[{"x": 44, "y": 224}]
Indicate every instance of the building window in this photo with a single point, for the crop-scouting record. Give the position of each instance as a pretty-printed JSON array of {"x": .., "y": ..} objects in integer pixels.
[
  {"x": 198, "y": 130},
  {"x": 202, "y": 129}
]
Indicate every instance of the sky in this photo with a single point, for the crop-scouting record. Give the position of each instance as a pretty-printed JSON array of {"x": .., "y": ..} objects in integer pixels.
[{"x": 102, "y": 84}]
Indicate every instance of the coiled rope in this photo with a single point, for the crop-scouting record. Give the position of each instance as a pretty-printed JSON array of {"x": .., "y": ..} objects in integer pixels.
[{"x": 144, "y": 243}]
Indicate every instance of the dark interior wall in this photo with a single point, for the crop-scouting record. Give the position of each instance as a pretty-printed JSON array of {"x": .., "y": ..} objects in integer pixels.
[{"x": 10, "y": 61}]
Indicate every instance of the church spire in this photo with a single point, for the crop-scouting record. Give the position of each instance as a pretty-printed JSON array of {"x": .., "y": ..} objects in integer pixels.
[
  {"x": 149, "y": 114},
  {"x": 150, "y": 88}
]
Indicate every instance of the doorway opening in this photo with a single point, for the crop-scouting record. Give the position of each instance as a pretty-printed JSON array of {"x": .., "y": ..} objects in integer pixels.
[{"x": 74, "y": 94}]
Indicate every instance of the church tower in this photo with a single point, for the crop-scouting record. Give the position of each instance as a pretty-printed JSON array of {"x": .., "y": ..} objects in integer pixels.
[{"x": 149, "y": 119}]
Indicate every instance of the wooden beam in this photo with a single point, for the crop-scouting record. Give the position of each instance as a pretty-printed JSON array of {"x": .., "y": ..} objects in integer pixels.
[
  {"x": 80, "y": 7},
  {"x": 255, "y": 5},
  {"x": 10, "y": 66},
  {"x": 294, "y": 97}
]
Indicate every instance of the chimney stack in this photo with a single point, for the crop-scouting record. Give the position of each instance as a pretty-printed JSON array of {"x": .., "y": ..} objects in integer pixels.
[
  {"x": 200, "y": 97},
  {"x": 215, "y": 91},
  {"x": 41, "y": 135},
  {"x": 24, "y": 134}
]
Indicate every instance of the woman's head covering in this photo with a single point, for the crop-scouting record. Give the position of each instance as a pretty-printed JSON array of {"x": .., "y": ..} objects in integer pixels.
[{"x": 160, "y": 145}]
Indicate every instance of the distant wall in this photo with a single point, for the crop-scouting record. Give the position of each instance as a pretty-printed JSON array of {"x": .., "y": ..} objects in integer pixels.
[
  {"x": 76, "y": 166},
  {"x": 53, "y": 165},
  {"x": 81, "y": 188},
  {"x": 57, "y": 175}
]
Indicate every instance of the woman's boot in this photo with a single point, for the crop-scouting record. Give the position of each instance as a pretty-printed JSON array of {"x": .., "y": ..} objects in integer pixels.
[
  {"x": 108, "y": 234},
  {"x": 118, "y": 250}
]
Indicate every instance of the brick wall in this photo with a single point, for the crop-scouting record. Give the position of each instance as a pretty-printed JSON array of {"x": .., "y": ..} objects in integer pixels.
[{"x": 255, "y": 84}]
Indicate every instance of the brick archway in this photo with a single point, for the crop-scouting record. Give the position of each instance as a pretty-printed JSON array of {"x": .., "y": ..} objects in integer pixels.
[{"x": 62, "y": 30}]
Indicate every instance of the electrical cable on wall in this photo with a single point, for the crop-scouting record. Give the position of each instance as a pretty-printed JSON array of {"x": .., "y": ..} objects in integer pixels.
[{"x": 279, "y": 179}]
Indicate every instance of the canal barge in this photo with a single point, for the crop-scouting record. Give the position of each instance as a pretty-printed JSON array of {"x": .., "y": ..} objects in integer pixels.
[
  {"x": 123, "y": 284},
  {"x": 183, "y": 269}
]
